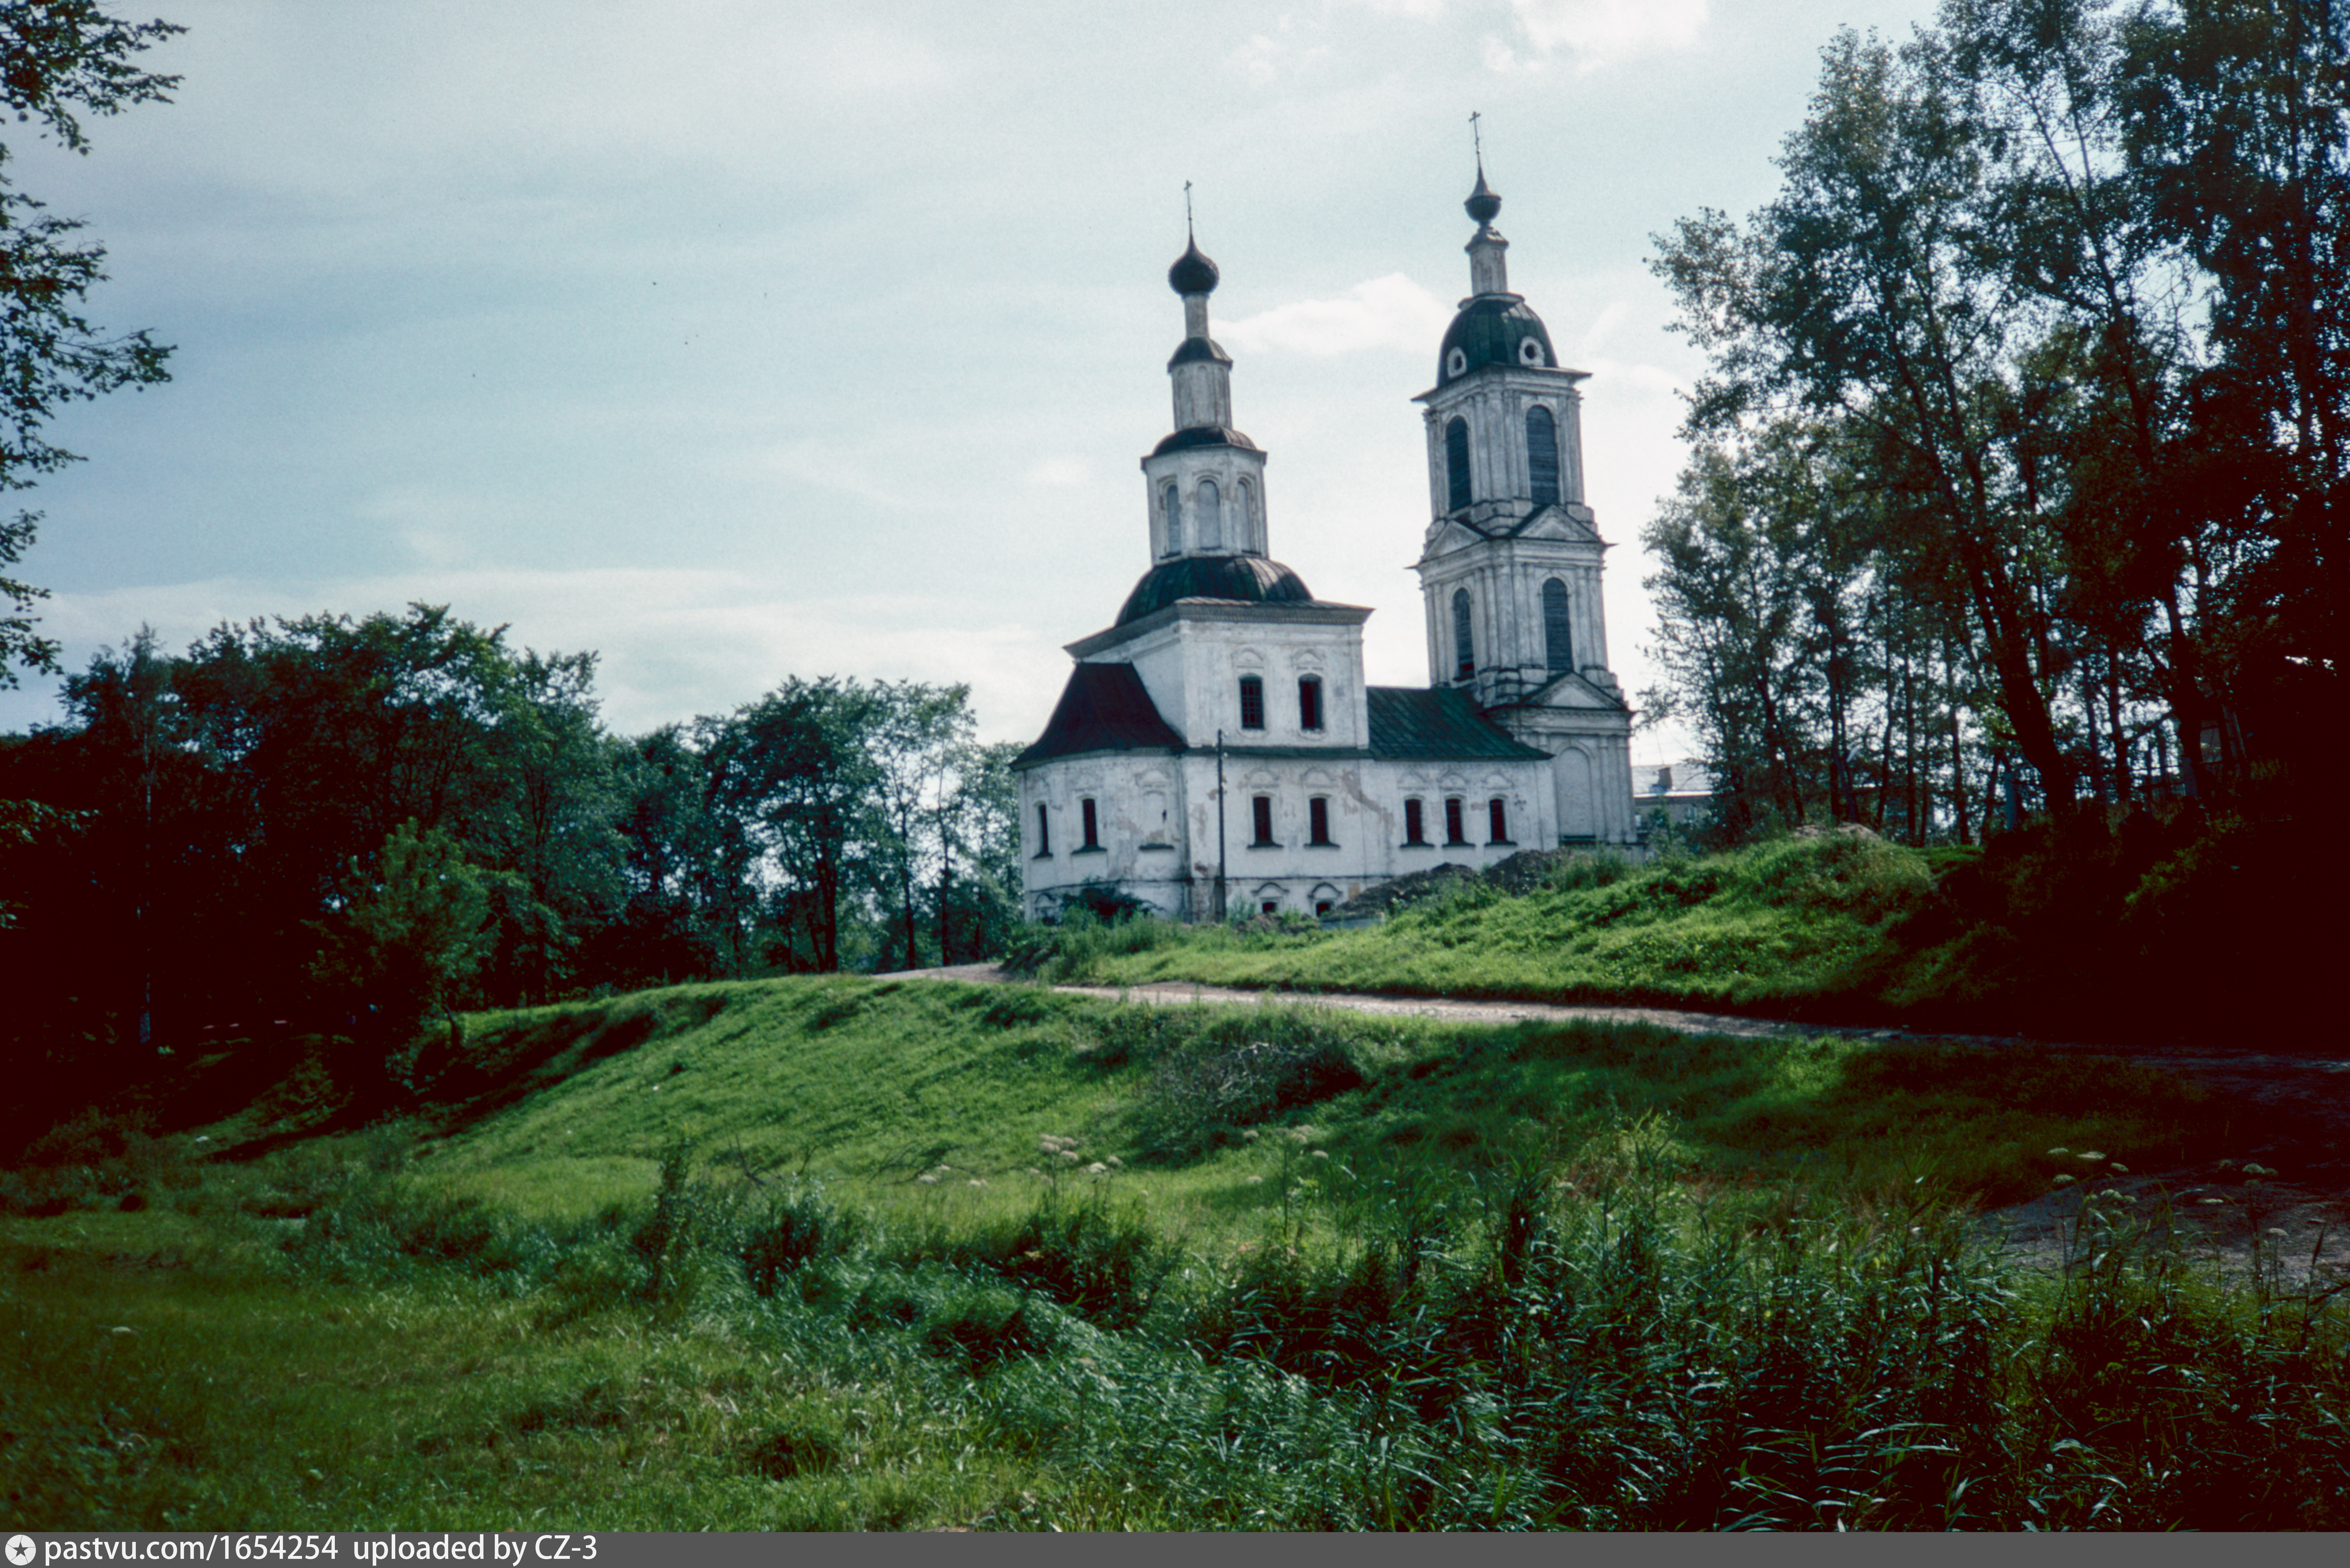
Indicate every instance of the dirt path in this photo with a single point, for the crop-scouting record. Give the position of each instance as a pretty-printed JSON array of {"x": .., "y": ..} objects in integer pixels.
[{"x": 2296, "y": 1222}]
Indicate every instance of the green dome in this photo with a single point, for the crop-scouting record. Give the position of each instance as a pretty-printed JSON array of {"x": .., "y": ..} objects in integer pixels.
[
  {"x": 1249, "y": 579},
  {"x": 1495, "y": 329}
]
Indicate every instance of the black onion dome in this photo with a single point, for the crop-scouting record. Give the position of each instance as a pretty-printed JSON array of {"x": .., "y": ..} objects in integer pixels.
[
  {"x": 1192, "y": 272},
  {"x": 1493, "y": 330},
  {"x": 1251, "y": 579},
  {"x": 1482, "y": 205}
]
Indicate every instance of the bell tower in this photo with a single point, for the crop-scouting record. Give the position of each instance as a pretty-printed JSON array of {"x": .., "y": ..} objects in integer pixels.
[{"x": 1510, "y": 565}]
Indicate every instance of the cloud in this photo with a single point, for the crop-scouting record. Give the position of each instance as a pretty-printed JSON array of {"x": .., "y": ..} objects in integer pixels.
[
  {"x": 1390, "y": 312},
  {"x": 1600, "y": 33},
  {"x": 1056, "y": 473}
]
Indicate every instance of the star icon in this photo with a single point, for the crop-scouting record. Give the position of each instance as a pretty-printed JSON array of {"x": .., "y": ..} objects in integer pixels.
[{"x": 20, "y": 1549}]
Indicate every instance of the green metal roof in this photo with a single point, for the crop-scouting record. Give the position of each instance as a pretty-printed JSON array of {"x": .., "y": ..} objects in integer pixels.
[{"x": 1446, "y": 725}]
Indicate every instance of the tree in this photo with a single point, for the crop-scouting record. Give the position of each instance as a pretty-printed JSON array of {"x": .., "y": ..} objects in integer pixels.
[
  {"x": 1861, "y": 296},
  {"x": 63, "y": 58},
  {"x": 918, "y": 732},
  {"x": 794, "y": 774},
  {"x": 414, "y": 927}
]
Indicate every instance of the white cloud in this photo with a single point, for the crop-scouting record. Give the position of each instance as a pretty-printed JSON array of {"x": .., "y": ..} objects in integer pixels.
[
  {"x": 1600, "y": 33},
  {"x": 1390, "y": 312},
  {"x": 1057, "y": 473}
]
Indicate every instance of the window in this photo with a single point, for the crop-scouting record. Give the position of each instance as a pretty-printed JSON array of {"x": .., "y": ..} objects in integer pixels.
[
  {"x": 1252, "y": 703},
  {"x": 1464, "y": 642},
  {"x": 1542, "y": 455},
  {"x": 1321, "y": 908},
  {"x": 1044, "y": 831},
  {"x": 1456, "y": 464},
  {"x": 1092, "y": 824},
  {"x": 1270, "y": 907},
  {"x": 1415, "y": 826},
  {"x": 1500, "y": 812},
  {"x": 1558, "y": 633},
  {"x": 1261, "y": 818},
  {"x": 1212, "y": 515},
  {"x": 1244, "y": 516},
  {"x": 1309, "y": 702},
  {"x": 1174, "y": 521},
  {"x": 1317, "y": 820},
  {"x": 1452, "y": 825}
]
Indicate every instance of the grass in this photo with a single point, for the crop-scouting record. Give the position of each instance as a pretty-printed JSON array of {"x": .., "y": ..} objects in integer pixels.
[
  {"x": 1783, "y": 927},
  {"x": 850, "y": 1255}
]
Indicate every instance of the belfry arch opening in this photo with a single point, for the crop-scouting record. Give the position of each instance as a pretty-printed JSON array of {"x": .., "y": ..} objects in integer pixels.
[
  {"x": 1456, "y": 465},
  {"x": 1558, "y": 628},
  {"x": 1542, "y": 455}
]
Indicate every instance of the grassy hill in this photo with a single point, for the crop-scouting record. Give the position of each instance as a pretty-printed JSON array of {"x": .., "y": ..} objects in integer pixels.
[
  {"x": 847, "y": 1254},
  {"x": 2092, "y": 935}
]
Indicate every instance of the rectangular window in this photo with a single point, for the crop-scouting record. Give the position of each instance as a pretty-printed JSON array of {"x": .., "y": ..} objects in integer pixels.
[
  {"x": 1093, "y": 829},
  {"x": 1317, "y": 820},
  {"x": 1261, "y": 818},
  {"x": 1252, "y": 703},
  {"x": 1501, "y": 814},
  {"x": 1452, "y": 825},
  {"x": 1415, "y": 829},
  {"x": 1309, "y": 702},
  {"x": 1044, "y": 831}
]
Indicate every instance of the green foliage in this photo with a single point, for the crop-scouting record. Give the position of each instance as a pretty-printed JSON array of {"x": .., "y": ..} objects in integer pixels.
[
  {"x": 64, "y": 59},
  {"x": 413, "y": 928}
]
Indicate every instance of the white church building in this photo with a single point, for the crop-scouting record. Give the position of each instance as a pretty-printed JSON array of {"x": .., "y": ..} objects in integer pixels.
[{"x": 1216, "y": 750}]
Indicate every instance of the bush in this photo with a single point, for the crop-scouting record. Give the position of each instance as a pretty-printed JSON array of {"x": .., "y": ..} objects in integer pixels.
[
  {"x": 797, "y": 1226},
  {"x": 1237, "y": 1070}
]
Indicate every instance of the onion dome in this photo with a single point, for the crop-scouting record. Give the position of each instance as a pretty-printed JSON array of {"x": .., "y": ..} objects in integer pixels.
[
  {"x": 1192, "y": 272},
  {"x": 1482, "y": 205},
  {"x": 1251, "y": 579}
]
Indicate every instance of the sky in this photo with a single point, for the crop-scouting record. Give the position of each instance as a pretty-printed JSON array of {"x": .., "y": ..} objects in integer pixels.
[{"x": 739, "y": 340}]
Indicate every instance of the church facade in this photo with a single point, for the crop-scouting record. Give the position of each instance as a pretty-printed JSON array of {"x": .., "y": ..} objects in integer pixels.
[{"x": 1216, "y": 750}]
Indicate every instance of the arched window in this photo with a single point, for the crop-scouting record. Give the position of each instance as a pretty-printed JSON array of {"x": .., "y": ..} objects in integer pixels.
[
  {"x": 1212, "y": 515},
  {"x": 1174, "y": 521},
  {"x": 1558, "y": 633},
  {"x": 1464, "y": 642},
  {"x": 1456, "y": 464},
  {"x": 1244, "y": 516},
  {"x": 1309, "y": 701},
  {"x": 1542, "y": 455}
]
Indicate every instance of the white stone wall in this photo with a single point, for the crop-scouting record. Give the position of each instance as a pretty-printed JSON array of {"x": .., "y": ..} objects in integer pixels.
[
  {"x": 1494, "y": 403},
  {"x": 1192, "y": 662},
  {"x": 1160, "y": 828},
  {"x": 1238, "y": 475}
]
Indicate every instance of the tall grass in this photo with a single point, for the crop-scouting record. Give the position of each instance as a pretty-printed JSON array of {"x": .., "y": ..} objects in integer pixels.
[
  {"x": 840, "y": 1254},
  {"x": 1572, "y": 1336}
]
